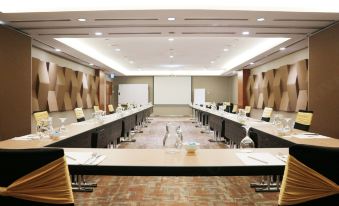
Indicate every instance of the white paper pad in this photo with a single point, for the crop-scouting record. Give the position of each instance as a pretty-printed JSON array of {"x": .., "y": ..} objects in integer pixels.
[
  {"x": 83, "y": 158},
  {"x": 259, "y": 159},
  {"x": 308, "y": 136},
  {"x": 27, "y": 137}
]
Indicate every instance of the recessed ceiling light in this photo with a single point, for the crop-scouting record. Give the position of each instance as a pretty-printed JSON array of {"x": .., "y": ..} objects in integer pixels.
[
  {"x": 245, "y": 33},
  {"x": 171, "y": 18},
  {"x": 212, "y": 62},
  {"x": 98, "y": 33},
  {"x": 251, "y": 63},
  {"x": 170, "y": 39},
  {"x": 226, "y": 50},
  {"x": 57, "y": 50},
  {"x": 260, "y": 19},
  {"x": 131, "y": 62},
  {"x": 171, "y": 56},
  {"x": 82, "y": 19},
  {"x": 117, "y": 49},
  {"x": 2, "y": 22},
  {"x": 282, "y": 48},
  {"x": 90, "y": 64}
]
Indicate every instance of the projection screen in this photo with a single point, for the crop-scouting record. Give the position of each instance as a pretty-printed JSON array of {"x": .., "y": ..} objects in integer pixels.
[{"x": 172, "y": 90}]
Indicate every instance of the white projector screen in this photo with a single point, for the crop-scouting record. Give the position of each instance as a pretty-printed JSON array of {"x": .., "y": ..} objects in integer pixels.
[{"x": 172, "y": 90}]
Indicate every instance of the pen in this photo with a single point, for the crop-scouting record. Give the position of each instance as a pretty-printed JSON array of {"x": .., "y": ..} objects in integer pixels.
[{"x": 258, "y": 159}]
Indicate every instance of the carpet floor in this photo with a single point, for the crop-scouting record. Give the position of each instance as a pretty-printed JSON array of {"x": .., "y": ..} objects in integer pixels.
[{"x": 173, "y": 191}]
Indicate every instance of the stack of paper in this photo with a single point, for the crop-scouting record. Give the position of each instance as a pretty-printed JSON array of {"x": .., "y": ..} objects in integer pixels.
[
  {"x": 84, "y": 158},
  {"x": 259, "y": 159}
]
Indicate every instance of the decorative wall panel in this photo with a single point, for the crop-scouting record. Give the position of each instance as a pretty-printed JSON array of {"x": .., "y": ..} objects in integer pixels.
[
  {"x": 56, "y": 88},
  {"x": 285, "y": 88}
]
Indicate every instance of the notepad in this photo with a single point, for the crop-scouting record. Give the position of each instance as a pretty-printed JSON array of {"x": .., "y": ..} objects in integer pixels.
[{"x": 259, "y": 159}]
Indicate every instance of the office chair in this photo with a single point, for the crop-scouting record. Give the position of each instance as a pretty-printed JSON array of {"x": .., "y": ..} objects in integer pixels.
[
  {"x": 39, "y": 117},
  {"x": 79, "y": 114},
  {"x": 248, "y": 111},
  {"x": 96, "y": 108},
  {"x": 229, "y": 107},
  {"x": 311, "y": 177},
  {"x": 110, "y": 109},
  {"x": 34, "y": 177},
  {"x": 303, "y": 120},
  {"x": 266, "y": 115},
  {"x": 234, "y": 109}
]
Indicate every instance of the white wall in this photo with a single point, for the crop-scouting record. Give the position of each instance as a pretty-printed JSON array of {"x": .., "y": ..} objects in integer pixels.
[
  {"x": 48, "y": 57},
  {"x": 289, "y": 59}
]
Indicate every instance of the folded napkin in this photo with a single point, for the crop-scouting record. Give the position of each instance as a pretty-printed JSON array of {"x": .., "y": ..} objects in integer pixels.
[{"x": 27, "y": 137}]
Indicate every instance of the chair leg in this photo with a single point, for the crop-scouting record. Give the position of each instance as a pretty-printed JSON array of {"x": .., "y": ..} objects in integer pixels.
[
  {"x": 271, "y": 185},
  {"x": 77, "y": 185}
]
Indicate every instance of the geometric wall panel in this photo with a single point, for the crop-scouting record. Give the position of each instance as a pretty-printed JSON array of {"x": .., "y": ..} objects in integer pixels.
[
  {"x": 249, "y": 90},
  {"x": 35, "y": 103},
  {"x": 285, "y": 88},
  {"x": 302, "y": 100},
  {"x": 52, "y": 101},
  {"x": 292, "y": 87},
  {"x": 256, "y": 88},
  {"x": 56, "y": 88},
  {"x": 277, "y": 89},
  {"x": 78, "y": 89},
  {"x": 60, "y": 88},
  {"x": 285, "y": 101}
]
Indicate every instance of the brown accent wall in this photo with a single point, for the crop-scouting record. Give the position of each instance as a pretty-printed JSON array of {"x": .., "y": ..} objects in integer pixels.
[
  {"x": 243, "y": 76},
  {"x": 324, "y": 81},
  {"x": 15, "y": 83}
]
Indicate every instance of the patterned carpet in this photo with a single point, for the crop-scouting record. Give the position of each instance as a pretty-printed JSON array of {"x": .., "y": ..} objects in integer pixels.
[{"x": 173, "y": 191}]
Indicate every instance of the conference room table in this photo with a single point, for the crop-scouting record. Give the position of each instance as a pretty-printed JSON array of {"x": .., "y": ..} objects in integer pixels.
[
  {"x": 80, "y": 134},
  {"x": 149, "y": 162},
  {"x": 264, "y": 134},
  {"x": 162, "y": 162}
]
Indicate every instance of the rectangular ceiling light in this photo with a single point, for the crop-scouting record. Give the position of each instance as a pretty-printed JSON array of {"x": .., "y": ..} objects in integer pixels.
[
  {"x": 19, "y": 6},
  {"x": 254, "y": 51},
  {"x": 93, "y": 53}
]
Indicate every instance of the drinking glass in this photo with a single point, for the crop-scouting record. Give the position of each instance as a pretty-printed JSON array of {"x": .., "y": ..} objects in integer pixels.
[
  {"x": 62, "y": 128},
  {"x": 247, "y": 144},
  {"x": 172, "y": 141}
]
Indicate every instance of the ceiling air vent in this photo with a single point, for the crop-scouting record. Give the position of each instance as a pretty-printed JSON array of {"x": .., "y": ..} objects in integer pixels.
[{"x": 40, "y": 20}]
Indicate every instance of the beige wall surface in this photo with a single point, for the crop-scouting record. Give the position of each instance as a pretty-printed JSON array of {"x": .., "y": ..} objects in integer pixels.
[
  {"x": 132, "y": 80},
  {"x": 218, "y": 89},
  {"x": 15, "y": 83},
  {"x": 324, "y": 81}
]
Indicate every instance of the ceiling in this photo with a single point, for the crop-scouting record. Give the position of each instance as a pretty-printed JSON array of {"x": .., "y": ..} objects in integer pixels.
[{"x": 205, "y": 42}]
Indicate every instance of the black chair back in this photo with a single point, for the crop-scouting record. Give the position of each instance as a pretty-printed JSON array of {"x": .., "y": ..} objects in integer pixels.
[
  {"x": 303, "y": 120},
  {"x": 18, "y": 163}
]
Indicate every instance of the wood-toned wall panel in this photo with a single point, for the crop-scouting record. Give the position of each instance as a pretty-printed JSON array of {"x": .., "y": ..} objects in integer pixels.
[
  {"x": 15, "y": 83},
  {"x": 43, "y": 85},
  {"x": 52, "y": 102},
  {"x": 302, "y": 100},
  {"x": 292, "y": 87},
  {"x": 285, "y": 88},
  {"x": 61, "y": 88}
]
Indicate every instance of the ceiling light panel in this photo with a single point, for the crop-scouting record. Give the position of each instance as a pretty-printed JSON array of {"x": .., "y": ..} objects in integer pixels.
[{"x": 17, "y": 6}]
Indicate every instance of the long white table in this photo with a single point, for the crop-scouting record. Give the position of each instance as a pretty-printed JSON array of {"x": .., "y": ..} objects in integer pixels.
[
  {"x": 160, "y": 162},
  {"x": 269, "y": 129}
]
